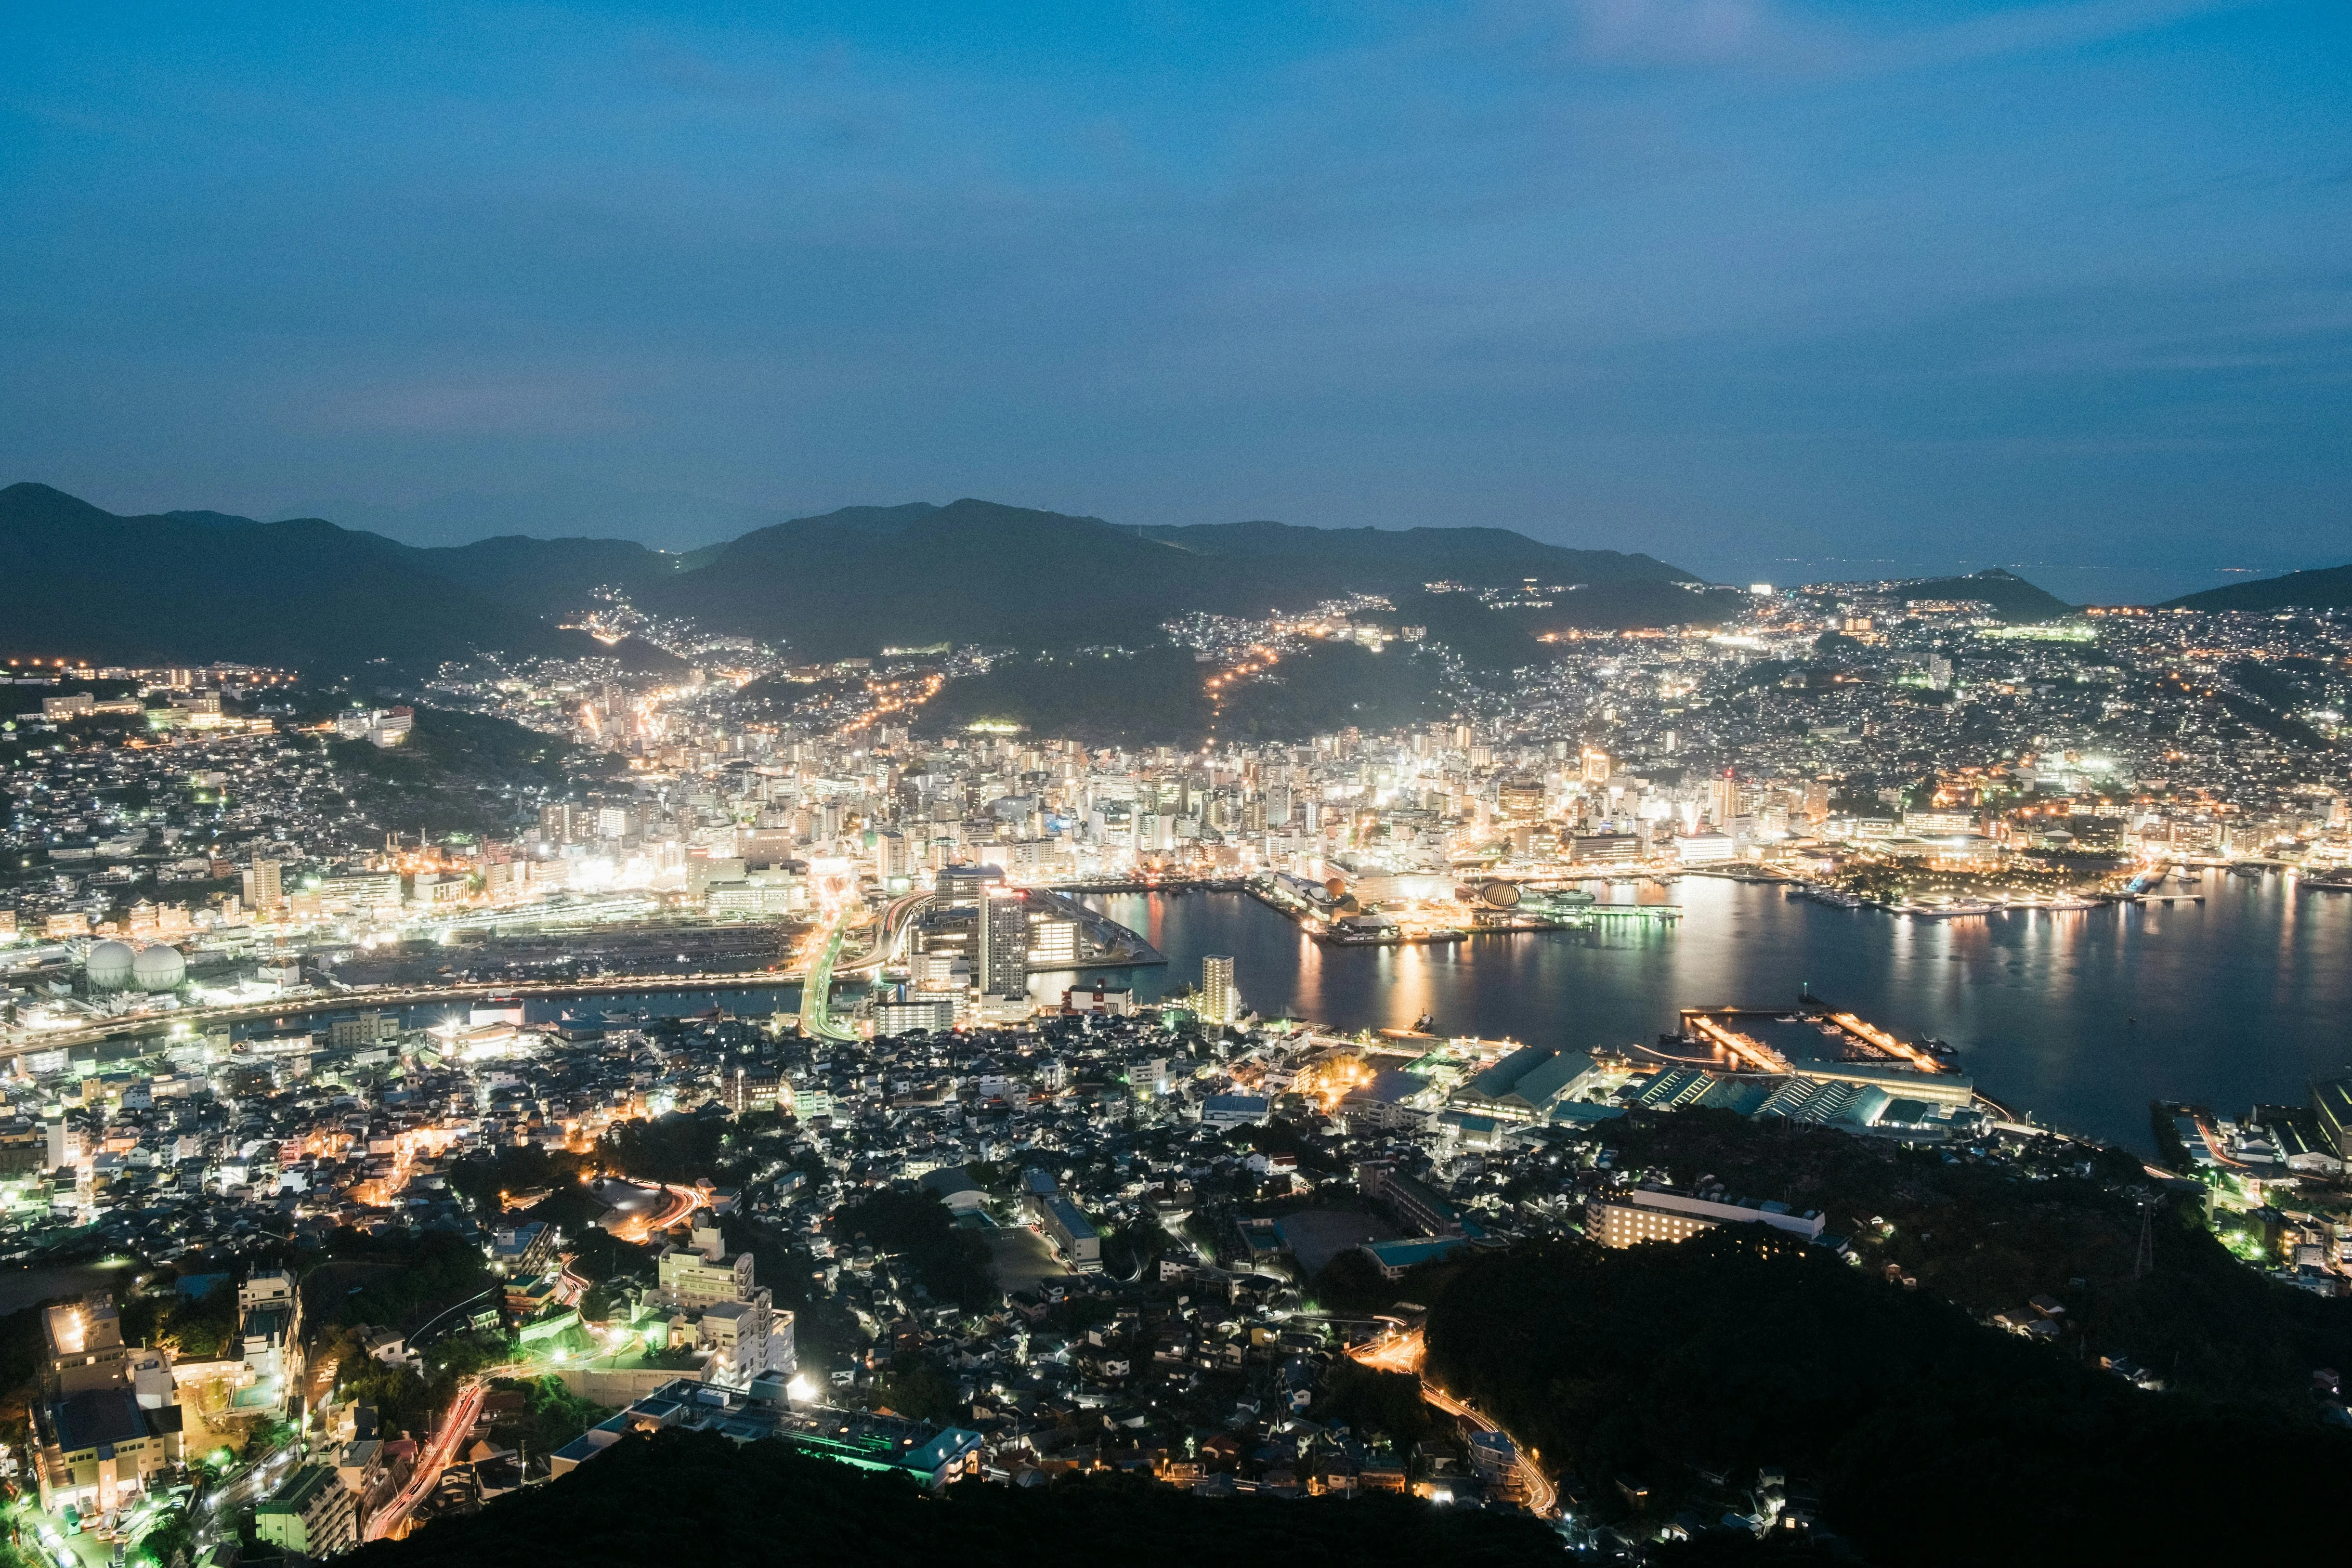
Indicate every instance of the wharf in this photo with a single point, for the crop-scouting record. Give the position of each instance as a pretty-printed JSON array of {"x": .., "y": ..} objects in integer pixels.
[{"x": 1522, "y": 922}]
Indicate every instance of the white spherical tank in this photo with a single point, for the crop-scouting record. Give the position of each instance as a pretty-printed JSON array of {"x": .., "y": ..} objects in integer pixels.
[
  {"x": 159, "y": 968},
  {"x": 109, "y": 965}
]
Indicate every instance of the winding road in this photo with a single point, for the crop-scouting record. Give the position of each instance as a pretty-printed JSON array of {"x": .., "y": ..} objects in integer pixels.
[
  {"x": 1401, "y": 1351},
  {"x": 433, "y": 1457}
]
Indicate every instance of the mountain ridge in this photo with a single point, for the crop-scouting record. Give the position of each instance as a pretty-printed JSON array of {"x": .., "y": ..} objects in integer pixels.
[
  {"x": 311, "y": 593},
  {"x": 2012, "y": 597},
  {"x": 2319, "y": 588}
]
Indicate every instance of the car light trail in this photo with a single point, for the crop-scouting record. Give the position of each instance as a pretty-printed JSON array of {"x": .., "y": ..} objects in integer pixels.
[{"x": 1406, "y": 1351}]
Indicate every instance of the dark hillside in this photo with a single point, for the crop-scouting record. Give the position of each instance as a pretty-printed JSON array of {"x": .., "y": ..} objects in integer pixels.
[
  {"x": 973, "y": 572},
  {"x": 1323, "y": 562},
  {"x": 1151, "y": 697},
  {"x": 2012, "y": 598},
  {"x": 758, "y": 1505},
  {"x": 2328, "y": 588},
  {"x": 303, "y": 595},
  {"x": 547, "y": 576},
  {"x": 1670, "y": 1373},
  {"x": 332, "y": 601}
]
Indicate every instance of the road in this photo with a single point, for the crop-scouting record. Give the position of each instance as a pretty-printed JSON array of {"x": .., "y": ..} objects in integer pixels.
[
  {"x": 640, "y": 1228},
  {"x": 1406, "y": 1351},
  {"x": 897, "y": 919},
  {"x": 433, "y": 1457},
  {"x": 440, "y": 1450},
  {"x": 215, "y": 1512},
  {"x": 816, "y": 991}
]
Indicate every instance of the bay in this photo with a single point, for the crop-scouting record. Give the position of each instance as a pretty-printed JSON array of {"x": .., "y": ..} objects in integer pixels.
[{"x": 2078, "y": 1019}]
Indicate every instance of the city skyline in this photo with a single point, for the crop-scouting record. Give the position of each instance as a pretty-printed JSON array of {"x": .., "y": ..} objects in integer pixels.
[{"x": 1118, "y": 787}]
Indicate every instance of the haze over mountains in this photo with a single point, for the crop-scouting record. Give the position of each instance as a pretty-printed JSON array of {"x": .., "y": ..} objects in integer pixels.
[{"x": 663, "y": 520}]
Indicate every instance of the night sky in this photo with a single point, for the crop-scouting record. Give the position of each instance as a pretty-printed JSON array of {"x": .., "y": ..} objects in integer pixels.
[{"x": 1772, "y": 288}]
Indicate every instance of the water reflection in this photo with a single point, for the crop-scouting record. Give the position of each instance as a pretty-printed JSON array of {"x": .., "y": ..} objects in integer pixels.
[{"x": 2081, "y": 1017}]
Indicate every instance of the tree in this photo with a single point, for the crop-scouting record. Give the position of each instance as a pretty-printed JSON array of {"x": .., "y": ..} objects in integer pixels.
[{"x": 952, "y": 1264}]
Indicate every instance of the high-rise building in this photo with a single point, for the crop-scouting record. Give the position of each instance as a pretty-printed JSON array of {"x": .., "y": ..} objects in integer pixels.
[
  {"x": 1003, "y": 955},
  {"x": 263, "y": 890},
  {"x": 1221, "y": 1001},
  {"x": 1723, "y": 801},
  {"x": 1596, "y": 766}
]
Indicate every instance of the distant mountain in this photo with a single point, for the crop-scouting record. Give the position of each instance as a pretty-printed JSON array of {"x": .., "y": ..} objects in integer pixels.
[
  {"x": 664, "y": 520},
  {"x": 330, "y": 600},
  {"x": 2328, "y": 588},
  {"x": 1336, "y": 560},
  {"x": 2012, "y": 598},
  {"x": 973, "y": 570},
  {"x": 303, "y": 592},
  {"x": 547, "y": 576}
]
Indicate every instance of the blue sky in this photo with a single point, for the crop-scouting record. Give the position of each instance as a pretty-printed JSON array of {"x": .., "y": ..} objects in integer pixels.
[{"x": 1767, "y": 288}]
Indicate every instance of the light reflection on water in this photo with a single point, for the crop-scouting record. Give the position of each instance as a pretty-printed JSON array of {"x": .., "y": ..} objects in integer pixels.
[{"x": 2078, "y": 1017}]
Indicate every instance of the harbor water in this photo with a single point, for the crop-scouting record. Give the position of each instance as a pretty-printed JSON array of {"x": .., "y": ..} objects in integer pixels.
[{"x": 2077, "y": 1018}]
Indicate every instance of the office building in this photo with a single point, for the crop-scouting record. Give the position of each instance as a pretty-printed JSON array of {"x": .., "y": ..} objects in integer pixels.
[
  {"x": 964, "y": 887},
  {"x": 1053, "y": 941},
  {"x": 717, "y": 1306},
  {"x": 1723, "y": 801},
  {"x": 269, "y": 1312}
]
